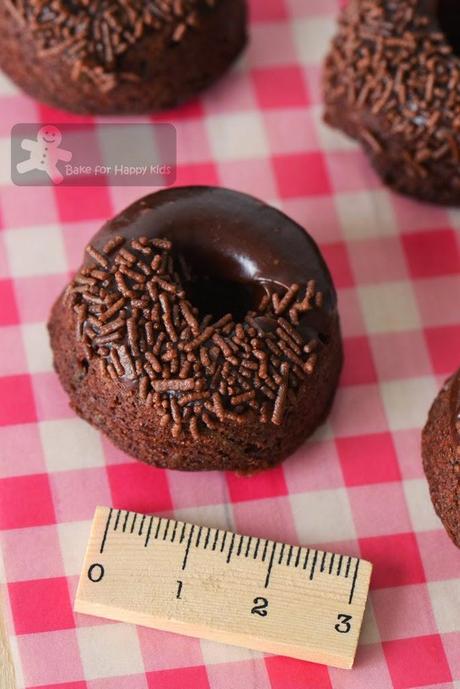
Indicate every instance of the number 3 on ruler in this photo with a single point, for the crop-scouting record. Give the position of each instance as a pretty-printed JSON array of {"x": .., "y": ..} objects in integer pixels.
[{"x": 343, "y": 625}]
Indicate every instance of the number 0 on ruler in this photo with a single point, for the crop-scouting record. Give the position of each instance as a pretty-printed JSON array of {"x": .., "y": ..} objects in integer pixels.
[{"x": 218, "y": 585}]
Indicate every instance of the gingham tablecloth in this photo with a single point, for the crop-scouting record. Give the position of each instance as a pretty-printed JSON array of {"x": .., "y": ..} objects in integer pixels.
[{"x": 356, "y": 487}]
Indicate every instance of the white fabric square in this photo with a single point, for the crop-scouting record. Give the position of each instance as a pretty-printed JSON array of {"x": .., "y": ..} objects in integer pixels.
[
  {"x": 7, "y": 87},
  {"x": 215, "y": 653},
  {"x": 38, "y": 350},
  {"x": 312, "y": 36},
  {"x": 35, "y": 251},
  {"x": 389, "y": 307},
  {"x": 237, "y": 136},
  {"x": 331, "y": 139},
  {"x": 5, "y": 159},
  {"x": 316, "y": 516},
  {"x": 73, "y": 539},
  {"x": 421, "y": 510},
  {"x": 216, "y": 516},
  {"x": 366, "y": 214},
  {"x": 110, "y": 650},
  {"x": 369, "y": 632},
  {"x": 70, "y": 444},
  {"x": 407, "y": 402},
  {"x": 445, "y": 600}
]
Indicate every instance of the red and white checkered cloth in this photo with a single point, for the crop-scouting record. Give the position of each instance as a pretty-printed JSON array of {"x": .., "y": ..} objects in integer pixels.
[{"x": 356, "y": 487}]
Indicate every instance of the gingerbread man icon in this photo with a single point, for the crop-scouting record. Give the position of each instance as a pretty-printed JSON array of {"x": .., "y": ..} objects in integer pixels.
[{"x": 45, "y": 153}]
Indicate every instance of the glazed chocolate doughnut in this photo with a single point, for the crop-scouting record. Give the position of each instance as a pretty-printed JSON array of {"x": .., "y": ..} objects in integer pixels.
[
  {"x": 201, "y": 332},
  {"x": 441, "y": 455},
  {"x": 392, "y": 81},
  {"x": 115, "y": 56}
]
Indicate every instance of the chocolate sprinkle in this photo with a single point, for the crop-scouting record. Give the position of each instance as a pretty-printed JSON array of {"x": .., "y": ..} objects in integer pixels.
[{"x": 148, "y": 334}]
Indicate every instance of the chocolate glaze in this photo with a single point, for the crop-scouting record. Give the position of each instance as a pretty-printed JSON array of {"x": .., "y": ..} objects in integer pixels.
[
  {"x": 234, "y": 235},
  {"x": 228, "y": 236}
]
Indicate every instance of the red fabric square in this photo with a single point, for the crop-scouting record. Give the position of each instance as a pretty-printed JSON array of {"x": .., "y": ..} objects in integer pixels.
[
  {"x": 266, "y": 484},
  {"x": 48, "y": 114},
  {"x": 190, "y": 109},
  {"x": 267, "y": 86},
  {"x": 18, "y": 405},
  {"x": 25, "y": 501},
  {"x": 336, "y": 257},
  {"x": 301, "y": 174},
  {"x": 444, "y": 348},
  {"x": 288, "y": 673},
  {"x": 73, "y": 206},
  {"x": 417, "y": 662},
  {"x": 8, "y": 307},
  {"x": 41, "y": 605},
  {"x": 368, "y": 459},
  {"x": 179, "y": 678},
  {"x": 139, "y": 487},
  {"x": 197, "y": 173},
  {"x": 268, "y": 10},
  {"x": 431, "y": 253},
  {"x": 396, "y": 559},
  {"x": 359, "y": 368}
]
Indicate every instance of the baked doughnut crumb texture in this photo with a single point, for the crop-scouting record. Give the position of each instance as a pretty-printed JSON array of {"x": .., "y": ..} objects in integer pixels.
[
  {"x": 392, "y": 81},
  {"x": 119, "y": 56},
  {"x": 355, "y": 487}
]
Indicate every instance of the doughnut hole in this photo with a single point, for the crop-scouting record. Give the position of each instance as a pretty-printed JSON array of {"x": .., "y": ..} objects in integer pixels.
[
  {"x": 449, "y": 20},
  {"x": 217, "y": 296},
  {"x": 217, "y": 284}
]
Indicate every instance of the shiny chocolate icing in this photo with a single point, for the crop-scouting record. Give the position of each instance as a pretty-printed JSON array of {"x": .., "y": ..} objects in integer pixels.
[{"x": 226, "y": 236}]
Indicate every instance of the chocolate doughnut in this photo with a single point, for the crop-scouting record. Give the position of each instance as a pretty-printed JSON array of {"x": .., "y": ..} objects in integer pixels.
[
  {"x": 201, "y": 332},
  {"x": 441, "y": 455},
  {"x": 119, "y": 57},
  {"x": 392, "y": 81}
]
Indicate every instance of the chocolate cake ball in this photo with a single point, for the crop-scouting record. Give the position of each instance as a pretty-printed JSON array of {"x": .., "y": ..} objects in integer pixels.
[
  {"x": 119, "y": 57},
  {"x": 392, "y": 81},
  {"x": 441, "y": 455},
  {"x": 200, "y": 332}
]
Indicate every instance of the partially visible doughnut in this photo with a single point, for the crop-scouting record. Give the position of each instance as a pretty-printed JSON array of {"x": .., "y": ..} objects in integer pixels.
[
  {"x": 441, "y": 455},
  {"x": 119, "y": 56},
  {"x": 392, "y": 81}
]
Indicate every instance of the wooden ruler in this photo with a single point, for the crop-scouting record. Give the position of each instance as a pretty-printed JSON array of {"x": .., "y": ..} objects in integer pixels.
[
  {"x": 218, "y": 585},
  {"x": 7, "y": 675}
]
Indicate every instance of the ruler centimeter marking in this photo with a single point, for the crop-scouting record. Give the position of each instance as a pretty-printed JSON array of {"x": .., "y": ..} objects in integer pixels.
[
  {"x": 316, "y": 585},
  {"x": 231, "y": 546}
]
